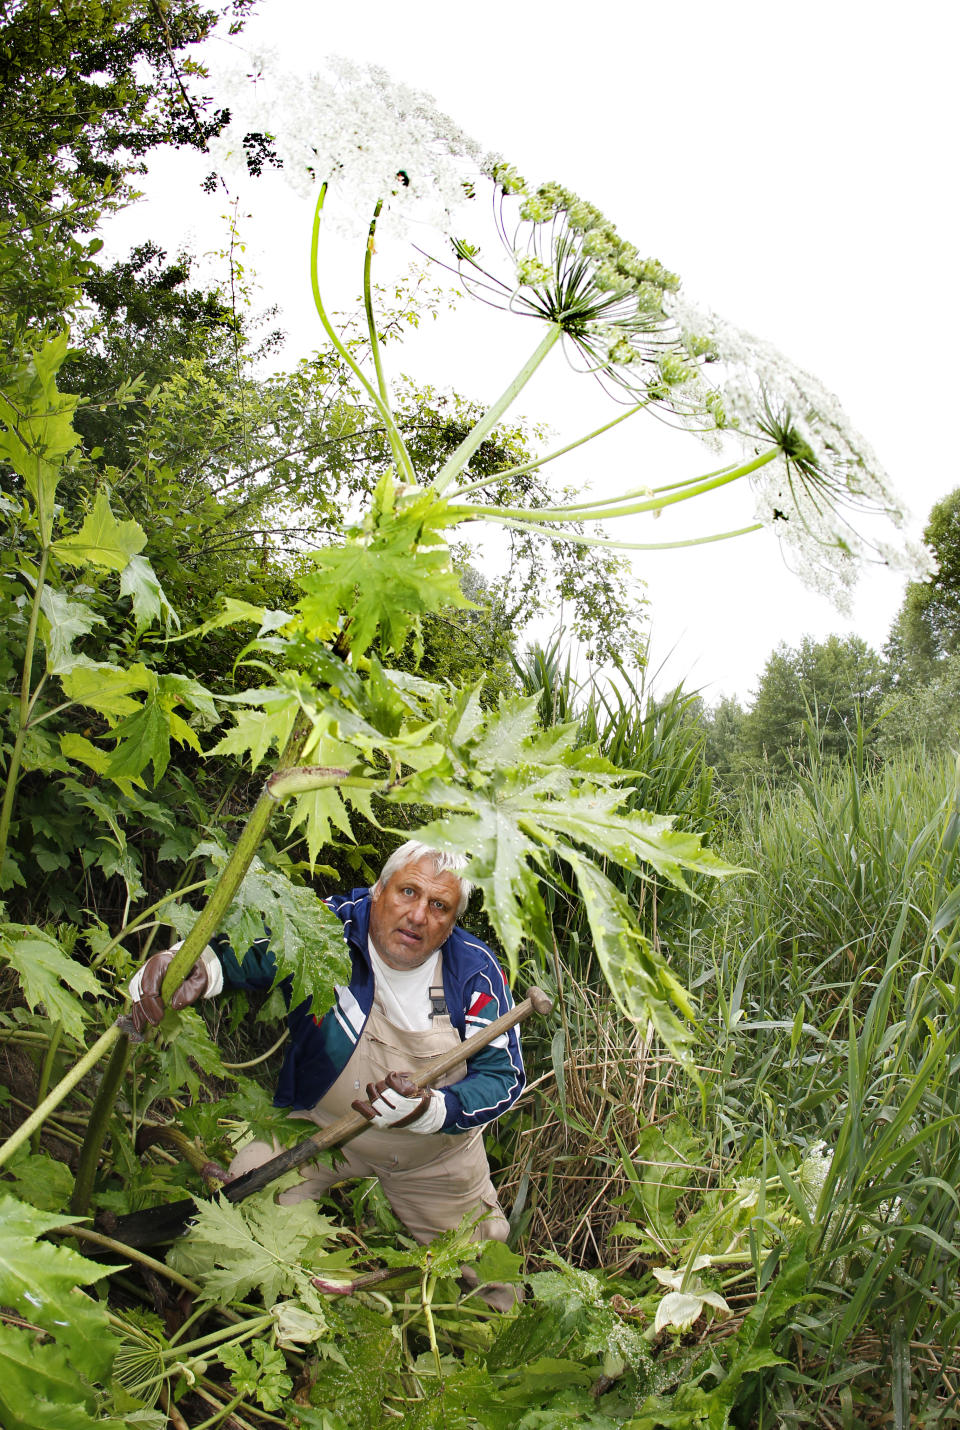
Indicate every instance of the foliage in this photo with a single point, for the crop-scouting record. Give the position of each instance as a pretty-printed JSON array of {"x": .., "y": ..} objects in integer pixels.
[
  {"x": 677, "y": 1144},
  {"x": 924, "y": 715},
  {"x": 55, "y": 1358},
  {"x": 831, "y": 685},
  {"x": 86, "y": 90},
  {"x": 927, "y": 628}
]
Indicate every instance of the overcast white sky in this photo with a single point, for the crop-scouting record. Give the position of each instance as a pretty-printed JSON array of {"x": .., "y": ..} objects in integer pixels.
[{"x": 796, "y": 164}]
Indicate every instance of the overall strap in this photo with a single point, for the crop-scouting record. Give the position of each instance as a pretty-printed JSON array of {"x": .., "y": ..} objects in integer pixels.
[{"x": 438, "y": 1002}]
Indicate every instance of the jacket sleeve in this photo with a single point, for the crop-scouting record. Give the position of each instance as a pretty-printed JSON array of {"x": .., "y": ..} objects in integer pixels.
[
  {"x": 256, "y": 969},
  {"x": 495, "y": 1076}
]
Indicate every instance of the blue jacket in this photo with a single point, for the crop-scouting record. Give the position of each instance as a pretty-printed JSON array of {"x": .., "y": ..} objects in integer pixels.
[{"x": 475, "y": 990}]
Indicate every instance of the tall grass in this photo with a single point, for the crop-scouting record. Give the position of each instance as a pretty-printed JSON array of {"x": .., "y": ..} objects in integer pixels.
[{"x": 830, "y": 1014}]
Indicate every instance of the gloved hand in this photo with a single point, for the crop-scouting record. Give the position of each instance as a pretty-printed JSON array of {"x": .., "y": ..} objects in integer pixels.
[
  {"x": 396, "y": 1101},
  {"x": 204, "y": 980}
]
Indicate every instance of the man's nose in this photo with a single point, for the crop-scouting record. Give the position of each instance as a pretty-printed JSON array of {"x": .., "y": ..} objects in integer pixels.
[{"x": 418, "y": 912}]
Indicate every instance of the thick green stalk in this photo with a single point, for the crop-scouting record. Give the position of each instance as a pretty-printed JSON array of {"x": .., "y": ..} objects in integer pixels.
[
  {"x": 220, "y": 1415},
  {"x": 231, "y": 877},
  {"x": 233, "y": 1334},
  {"x": 623, "y": 506},
  {"x": 16, "y": 756},
  {"x": 334, "y": 337},
  {"x": 400, "y": 454},
  {"x": 54, "y": 1098},
  {"x": 131, "y": 1253},
  {"x": 577, "y": 539},
  {"x": 551, "y": 456},
  {"x": 45, "y": 1072},
  {"x": 456, "y": 463},
  {"x": 427, "y": 1286},
  {"x": 97, "y": 1127},
  {"x": 206, "y": 925}
]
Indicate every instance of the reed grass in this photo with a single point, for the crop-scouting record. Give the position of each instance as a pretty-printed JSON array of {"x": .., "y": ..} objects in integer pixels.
[{"x": 830, "y": 1012}]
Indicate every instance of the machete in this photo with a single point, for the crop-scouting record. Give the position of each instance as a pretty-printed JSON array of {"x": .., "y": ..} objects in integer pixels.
[{"x": 160, "y": 1224}]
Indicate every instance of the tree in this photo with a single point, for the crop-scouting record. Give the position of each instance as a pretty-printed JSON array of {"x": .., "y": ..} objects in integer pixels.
[
  {"x": 828, "y": 685},
  {"x": 927, "y": 628},
  {"x": 723, "y": 726},
  {"x": 87, "y": 89},
  {"x": 924, "y": 713}
]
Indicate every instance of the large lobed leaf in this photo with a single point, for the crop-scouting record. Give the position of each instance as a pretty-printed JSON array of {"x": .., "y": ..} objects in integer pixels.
[
  {"x": 102, "y": 540},
  {"x": 525, "y": 804},
  {"x": 234, "y": 1249},
  {"x": 306, "y": 937},
  {"x": 41, "y": 1282},
  {"x": 47, "y": 975},
  {"x": 382, "y": 579},
  {"x": 37, "y": 436}
]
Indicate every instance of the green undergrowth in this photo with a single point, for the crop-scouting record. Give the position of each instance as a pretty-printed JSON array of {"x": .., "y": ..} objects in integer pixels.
[{"x": 771, "y": 1243}]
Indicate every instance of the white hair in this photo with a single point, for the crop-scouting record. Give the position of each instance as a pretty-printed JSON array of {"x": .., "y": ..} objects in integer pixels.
[{"x": 412, "y": 852}]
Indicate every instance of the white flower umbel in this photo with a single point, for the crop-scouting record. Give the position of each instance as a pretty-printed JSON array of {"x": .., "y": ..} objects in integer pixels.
[
  {"x": 826, "y": 472},
  {"x": 568, "y": 266},
  {"x": 384, "y": 156},
  {"x": 812, "y": 1173},
  {"x": 686, "y": 1298},
  {"x": 356, "y": 128}
]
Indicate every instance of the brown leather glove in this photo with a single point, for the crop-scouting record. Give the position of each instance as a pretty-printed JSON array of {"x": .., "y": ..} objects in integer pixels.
[
  {"x": 149, "y": 1007},
  {"x": 394, "y": 1101}
]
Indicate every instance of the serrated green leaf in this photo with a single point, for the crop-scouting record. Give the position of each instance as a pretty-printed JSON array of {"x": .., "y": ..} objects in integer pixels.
[
  {"x": 252, "y": 1106},
  {"x": 502, "y": 743},
  {"x": 102, "y": 541},
  {"x": 43, "y": 969},
  {"x": 183, "y": 690},
  {"x": 636, "y": 974},
  {"x": 64, "y": 621},
  {"x": 306, "y": 937},
  {"x": 634, "y": 838},
  {"x": 108, "y": 689},
  {"x": 187, "y": 1046},
  {"x": 41, "y": 1181},
  {"x": 257, "y": 730},
  {"x": 384, "y": 579},
  {"x": 84, "y": 752},
  {"x": 236, "y": 613},
  {"x": 144, "y": 738},
  {"x": 139, "y": 581},
  {"x": 233, "y": 1250},
  {"x": 24, "y": 1410},
  {"x": 37, "y": 434},
  {"x": 39, "y": 1279},
  {"x": 29, "y": 1369},
  {"x": 498, "y": 1263},
  {"x": 500, "y": 854},
  {"x": 262, "y": 1373},
  {"x": 381, "y": 587},
  {"x": 315, "y": 813},
  {"x": 121, "y": 862}
]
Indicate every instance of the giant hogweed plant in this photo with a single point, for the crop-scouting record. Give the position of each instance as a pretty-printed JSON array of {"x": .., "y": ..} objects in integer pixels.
[{"x": 527, "y": 806}]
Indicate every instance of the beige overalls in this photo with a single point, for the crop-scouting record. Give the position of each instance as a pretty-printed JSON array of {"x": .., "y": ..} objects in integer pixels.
[{"x": 433, "y": 1180}]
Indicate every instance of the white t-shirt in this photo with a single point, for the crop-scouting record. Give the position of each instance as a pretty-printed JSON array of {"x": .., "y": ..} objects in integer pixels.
[{"x": 405, "y": 992}]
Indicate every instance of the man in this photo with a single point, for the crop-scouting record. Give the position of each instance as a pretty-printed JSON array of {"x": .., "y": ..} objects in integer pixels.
[{"x": 419, "y": 986}]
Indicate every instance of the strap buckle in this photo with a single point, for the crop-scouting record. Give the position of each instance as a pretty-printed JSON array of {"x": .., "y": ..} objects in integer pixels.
[{"x": 438, "y": 1003}]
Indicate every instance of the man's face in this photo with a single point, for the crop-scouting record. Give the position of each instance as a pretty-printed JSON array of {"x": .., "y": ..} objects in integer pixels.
[{"x": 412, "y": 915}]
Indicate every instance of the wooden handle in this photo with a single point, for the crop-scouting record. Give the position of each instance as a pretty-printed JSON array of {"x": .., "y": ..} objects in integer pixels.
[
  {"x": 156, "y": 1225},
  {"x": 351, "y": 1123}
]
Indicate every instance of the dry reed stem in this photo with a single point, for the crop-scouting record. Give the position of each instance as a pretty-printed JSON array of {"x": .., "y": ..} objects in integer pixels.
[{"x": 574, "y": 1165}]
